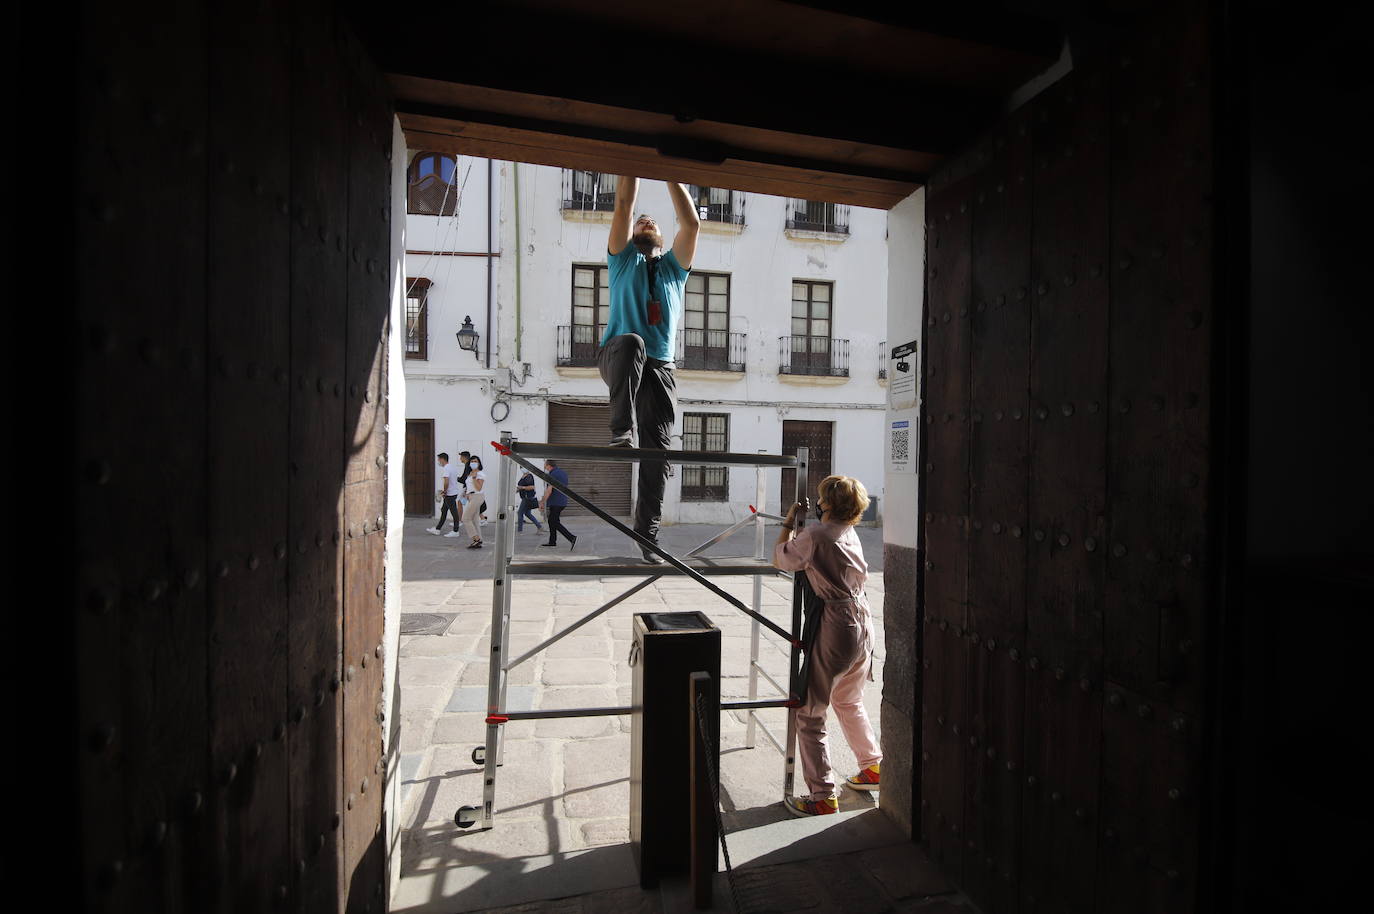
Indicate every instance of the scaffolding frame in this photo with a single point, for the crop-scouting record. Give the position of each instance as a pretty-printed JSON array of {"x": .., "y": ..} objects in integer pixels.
[{"x": 692, "y": 565}]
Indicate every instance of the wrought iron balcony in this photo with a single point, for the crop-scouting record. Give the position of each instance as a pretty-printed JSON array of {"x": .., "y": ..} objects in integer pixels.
[
  {"x": 577, "y": 345},
  {"x": 710, "y": 350},
  {"x": 814, "y": 216},
  {"x": 882, "y": 361},
  {"x": 818, "y": 356},
  {"x": 588, "y": 191},
  {"x": 716, "y": 204}
]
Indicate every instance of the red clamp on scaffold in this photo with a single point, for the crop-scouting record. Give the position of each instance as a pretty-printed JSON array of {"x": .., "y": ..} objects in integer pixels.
[
  {"x": 497, "y": 719},
  {"x": 753, "y": 510},
  {"x": 501, "y": 448},
  {"x": 793, "y": 702}
]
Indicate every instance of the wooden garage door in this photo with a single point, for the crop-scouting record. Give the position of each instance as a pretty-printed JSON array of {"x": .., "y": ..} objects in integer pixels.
[
  {"x": 607, "y": 485},
  {"x": 420, "y": 480}
]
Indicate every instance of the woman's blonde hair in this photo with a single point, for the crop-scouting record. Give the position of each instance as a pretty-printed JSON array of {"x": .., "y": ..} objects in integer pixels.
[{"x": 846, "y": 496}]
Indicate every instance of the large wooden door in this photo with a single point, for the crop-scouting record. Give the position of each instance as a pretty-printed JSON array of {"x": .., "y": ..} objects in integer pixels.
[
  {"x": 1065, "y": 472},
  {"x": 606, "y": 484},
  {"x": 817, "y": 436},
  {"x": 420, "y": 478}
]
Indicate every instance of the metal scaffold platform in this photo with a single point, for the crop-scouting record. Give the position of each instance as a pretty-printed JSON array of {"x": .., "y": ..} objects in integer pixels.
[{"x": 700, "y": 568}]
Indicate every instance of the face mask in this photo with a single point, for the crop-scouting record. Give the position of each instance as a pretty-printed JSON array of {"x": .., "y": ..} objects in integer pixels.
[{"x": 820, "y": 512}]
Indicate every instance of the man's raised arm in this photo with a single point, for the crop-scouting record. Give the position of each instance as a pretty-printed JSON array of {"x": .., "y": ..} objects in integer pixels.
[
  {"x": 626, "y": 190},
  {"x": 688, "y": 225}
]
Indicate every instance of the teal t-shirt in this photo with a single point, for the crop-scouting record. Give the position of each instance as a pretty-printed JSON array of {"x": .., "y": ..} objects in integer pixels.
[{"x": 629, "y": 282}]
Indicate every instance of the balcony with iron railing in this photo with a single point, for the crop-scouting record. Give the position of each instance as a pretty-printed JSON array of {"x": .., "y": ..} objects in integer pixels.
[
  {"x": 588, "y": 191},
  {"x": 814, "y": 356},
  {"x": 697, "y": 350},
  {"x": 577, "y": 345},
  {"x": 710, "y": 350},
  {"x": 816, "y": 216},
  {"x": 882, "y": 361},
  {"x": 716, "y": 205}
]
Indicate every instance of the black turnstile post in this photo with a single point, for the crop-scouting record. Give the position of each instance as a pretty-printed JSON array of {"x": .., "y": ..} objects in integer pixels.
[{"x": 667, "y": 649}]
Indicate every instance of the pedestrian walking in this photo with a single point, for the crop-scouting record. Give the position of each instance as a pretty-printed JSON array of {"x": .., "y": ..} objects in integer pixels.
[
  {"x": 553, "y": 504},
  {"x": 449, "y": 490},
  {"x": 466, "y": 457},
  {"x": 477, "y": 480},
  {"x": 636, "y": 355},
  {"x": 841, "y": 659},
  {"x": 528, "y": 502}
]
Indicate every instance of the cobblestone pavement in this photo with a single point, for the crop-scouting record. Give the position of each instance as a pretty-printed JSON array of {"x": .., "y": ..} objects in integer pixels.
[{"x": 564, "y": 785}]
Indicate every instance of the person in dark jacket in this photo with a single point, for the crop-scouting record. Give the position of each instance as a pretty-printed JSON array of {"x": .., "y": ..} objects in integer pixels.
[
  {"x": 553, "y": 504},
  {"x": 528, "y": 502}
]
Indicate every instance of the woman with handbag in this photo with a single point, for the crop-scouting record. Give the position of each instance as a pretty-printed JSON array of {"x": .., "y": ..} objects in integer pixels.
[
  {"x": 841, "y": 660},
  {"x": 477, "y": 480}
]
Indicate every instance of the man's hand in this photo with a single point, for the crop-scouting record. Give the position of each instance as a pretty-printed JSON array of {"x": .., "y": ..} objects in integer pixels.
[
  {"x": 688, "y": 225},
  {"x": 626, "y": 192}
]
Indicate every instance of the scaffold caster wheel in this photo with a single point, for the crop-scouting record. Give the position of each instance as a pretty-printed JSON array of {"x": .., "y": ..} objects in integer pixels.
[
  {"x": 479, "y": 755},
  {"x": 466, "y": 817}
]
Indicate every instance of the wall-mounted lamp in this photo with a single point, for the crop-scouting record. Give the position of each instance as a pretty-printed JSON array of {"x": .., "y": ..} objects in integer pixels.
[{"x": 468, "y": 337}]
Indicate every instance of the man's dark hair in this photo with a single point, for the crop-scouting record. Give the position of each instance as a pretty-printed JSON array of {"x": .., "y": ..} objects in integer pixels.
[
  {"x": 443, "y": 455},
  {"x": 465, "y": 453},
  {"x": 552, "y": 463}
]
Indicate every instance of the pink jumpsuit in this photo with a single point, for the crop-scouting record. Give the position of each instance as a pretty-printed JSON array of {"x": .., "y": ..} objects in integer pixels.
[{"x": 834, "y": 563}]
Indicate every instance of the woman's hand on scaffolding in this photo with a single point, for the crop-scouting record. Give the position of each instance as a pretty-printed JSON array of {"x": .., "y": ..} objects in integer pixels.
[{"x": 789, "y": 525}]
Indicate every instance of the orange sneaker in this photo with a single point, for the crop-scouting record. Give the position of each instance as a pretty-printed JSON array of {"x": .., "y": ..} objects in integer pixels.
[
  {"x": 800, "y": 806},
  {"x": 867, "y": 779}
]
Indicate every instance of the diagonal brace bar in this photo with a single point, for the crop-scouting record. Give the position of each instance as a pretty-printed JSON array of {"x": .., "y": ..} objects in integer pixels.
[
  {"x": 650, "y": 545},
  {"x": 558, "y": 636}
]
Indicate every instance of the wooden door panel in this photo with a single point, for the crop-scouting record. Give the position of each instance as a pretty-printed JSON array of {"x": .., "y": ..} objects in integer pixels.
[
  {"x": 249, "y": 421},
  {"x": 319, "y": 277},
  {"x": 420, "y": 477},
  {"x": 946, "y": 724},
  {"x": 1150, "y": 804},
  {"x": 1064, "y": 516},
  {"x": 139, "y": 466},
  {"x": 369, "y": 247},
  {"x": 1160, "y": 345},
  {"x": 818, "y": 438},
  {"x": 996, "y": 703}
]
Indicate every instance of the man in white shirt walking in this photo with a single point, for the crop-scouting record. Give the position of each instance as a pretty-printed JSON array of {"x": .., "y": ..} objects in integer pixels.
[{"x": 449, "y": 489}]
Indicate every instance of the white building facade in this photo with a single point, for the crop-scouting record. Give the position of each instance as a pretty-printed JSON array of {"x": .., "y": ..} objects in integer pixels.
[{"x": 782, "y": 342}]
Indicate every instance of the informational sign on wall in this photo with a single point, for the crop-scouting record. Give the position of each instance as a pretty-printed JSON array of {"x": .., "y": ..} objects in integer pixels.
[
  {"x": 900, "y": 445},
  {"x": 901, "y": 377}
]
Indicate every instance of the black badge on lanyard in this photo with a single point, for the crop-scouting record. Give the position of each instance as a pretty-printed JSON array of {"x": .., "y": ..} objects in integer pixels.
[{"x": 655, "y": 306}]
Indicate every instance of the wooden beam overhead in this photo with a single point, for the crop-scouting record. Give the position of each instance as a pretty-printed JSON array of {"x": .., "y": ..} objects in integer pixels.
[
  {"x": 440, "y": 134},
  {"x": 770, "y": 96}
]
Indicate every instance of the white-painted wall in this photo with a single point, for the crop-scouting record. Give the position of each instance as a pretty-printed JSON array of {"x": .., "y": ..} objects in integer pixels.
[
  {"x": 906, "y": 248},
  {"x": 459, "y": 393}
]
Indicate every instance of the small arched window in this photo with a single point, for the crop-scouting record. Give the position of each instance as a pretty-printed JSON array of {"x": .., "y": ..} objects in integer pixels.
[{"x": 433, "y": 185}]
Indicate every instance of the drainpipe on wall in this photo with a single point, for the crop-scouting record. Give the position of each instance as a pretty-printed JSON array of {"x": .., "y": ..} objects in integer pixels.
[
  {"x": 519, "y": 243},
  {"x": 489, "y": 256}
]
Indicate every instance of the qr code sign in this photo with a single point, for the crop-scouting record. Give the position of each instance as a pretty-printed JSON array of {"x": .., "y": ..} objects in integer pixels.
[{"x": 901, "y": 445}]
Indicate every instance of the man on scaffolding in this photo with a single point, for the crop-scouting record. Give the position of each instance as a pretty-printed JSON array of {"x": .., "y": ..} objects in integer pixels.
[{"x": 636, "y": 355}]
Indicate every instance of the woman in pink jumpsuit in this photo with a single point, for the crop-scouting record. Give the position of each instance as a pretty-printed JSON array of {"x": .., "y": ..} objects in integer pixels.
[{"x": 842, "y": 658}]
